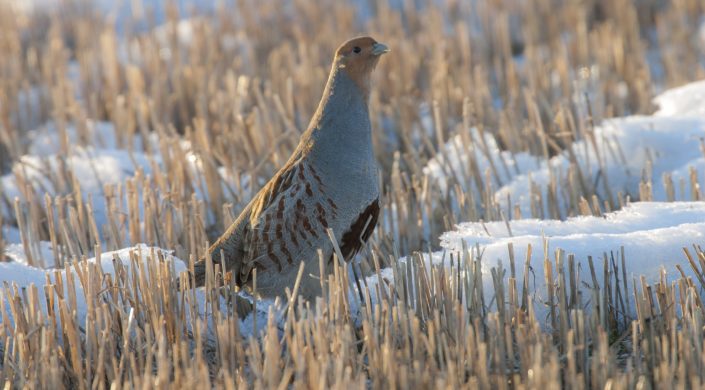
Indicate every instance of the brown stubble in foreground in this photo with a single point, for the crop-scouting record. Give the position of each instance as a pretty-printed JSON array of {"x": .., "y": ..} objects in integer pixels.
[{"x": 437, "y": 328}]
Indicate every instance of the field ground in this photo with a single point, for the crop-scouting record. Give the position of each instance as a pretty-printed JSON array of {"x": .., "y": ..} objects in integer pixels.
[{"x": 542, "y": 161}]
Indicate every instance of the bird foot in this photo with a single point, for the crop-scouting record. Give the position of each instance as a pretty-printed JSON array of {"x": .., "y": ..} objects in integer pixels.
[{"x": 244, "y": 307}]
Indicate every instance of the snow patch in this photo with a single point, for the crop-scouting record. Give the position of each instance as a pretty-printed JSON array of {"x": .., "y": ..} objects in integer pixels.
[
  {"x": 24, "y": 276},
  {"x": 688, "y": 100},
  {"x": 652, "y": 234},
  {"x": 629, "y": 150},
  {"x": 625, "y": 152},
  {"x": 46, "y": 139},
  {"x": 44, "y": 255},
  {"x": 91, "y": 168}
]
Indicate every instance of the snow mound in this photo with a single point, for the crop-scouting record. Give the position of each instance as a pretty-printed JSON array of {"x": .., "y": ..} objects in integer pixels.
[
  {"x": 23, "y": 276},
  {"x": 629, "y": 150},
  {"x": 652, "y": 235},
  {"x": 484, "y": 152},
  {"x": 50, "y": 172},
  {"x": 688, "y": 100},
  {"x": 664, "y": 149}
]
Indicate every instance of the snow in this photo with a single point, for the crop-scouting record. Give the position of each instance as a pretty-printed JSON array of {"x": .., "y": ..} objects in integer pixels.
[
  {"x": 630, "y": 149},
  {"x": 94, "y": 159},
  {"x": 652, "y": 235},
  {"x": 626, "y": 151},
  {"x": 92, "y": 167},
  {"x": 22, "y": 275},
  {"x": 485, "y": 152},
  {"x": 688, "y": 100},
  {"x": 10, "y": 234},
  {"x": 29, "y": 106},
  {"x": 46, "y": 139},
  {"x": 122, "y": 12},
  {"x": 16, "y": 253},
  {"x": 182, "y": 34},
  {"x": 183, "y": 29}
]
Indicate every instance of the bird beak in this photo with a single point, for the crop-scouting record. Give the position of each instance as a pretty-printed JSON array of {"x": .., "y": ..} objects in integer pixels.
[{"x": 379, "y": 49}]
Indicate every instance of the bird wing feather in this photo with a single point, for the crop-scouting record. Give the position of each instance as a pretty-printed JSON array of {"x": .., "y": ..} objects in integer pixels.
[{"x": 237, "y": 245}]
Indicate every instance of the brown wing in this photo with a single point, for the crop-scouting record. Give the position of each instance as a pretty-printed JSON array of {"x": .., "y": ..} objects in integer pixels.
[
  {"x": 238, "y": 242},
  {"x": 360, "y": 231}
]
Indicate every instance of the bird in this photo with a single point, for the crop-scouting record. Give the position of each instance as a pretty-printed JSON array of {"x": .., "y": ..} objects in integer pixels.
[{"x": 330, "y": 181}]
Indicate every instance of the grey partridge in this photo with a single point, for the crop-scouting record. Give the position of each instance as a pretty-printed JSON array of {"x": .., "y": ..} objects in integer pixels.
[{"x": 329, "y": 182}]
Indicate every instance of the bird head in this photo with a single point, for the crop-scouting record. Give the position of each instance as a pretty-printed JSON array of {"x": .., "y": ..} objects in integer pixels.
[{"x": 358, "y": 58}]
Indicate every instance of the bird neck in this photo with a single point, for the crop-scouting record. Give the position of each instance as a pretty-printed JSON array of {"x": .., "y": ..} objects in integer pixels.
[
  {"x": 344, "y": 87},
  {"x": 341, "y": 125}
]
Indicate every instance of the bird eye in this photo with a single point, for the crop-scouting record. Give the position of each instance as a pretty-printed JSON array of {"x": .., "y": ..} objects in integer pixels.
[{"x": 357, "y": 49}]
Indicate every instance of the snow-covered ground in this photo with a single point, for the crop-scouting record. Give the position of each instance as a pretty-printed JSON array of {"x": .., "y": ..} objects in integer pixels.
[
  {"x": 94, "y": 159},
  {"x": 629, "y": 150},
  {"x": 18, "y": 272},
  {"x": 652, "y": 234},
  {"x": 619, "y": 155},
  {"x": 92, "y": 167}
]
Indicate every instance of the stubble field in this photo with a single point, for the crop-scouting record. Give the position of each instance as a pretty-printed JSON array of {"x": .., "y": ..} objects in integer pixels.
[{"x": 131, "y": 137}]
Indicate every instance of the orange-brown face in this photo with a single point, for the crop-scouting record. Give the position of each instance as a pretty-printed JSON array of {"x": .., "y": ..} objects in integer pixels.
[
  {"x": 358, "y": 57},
  {"x": 361, "y": 49}
]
